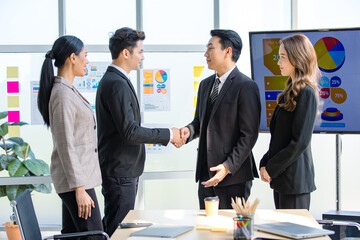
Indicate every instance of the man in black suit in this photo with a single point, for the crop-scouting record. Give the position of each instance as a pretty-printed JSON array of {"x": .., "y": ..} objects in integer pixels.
[
  {"x": 120, "y": 135},
  {"x": 226, "y": 120}
]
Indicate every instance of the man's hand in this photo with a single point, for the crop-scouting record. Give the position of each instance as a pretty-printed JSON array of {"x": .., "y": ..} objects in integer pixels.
[
  {"x": 176, "y": 140},
  {"x": 221, "y": 172},
  {"x": 185, "y": 133},
  {"x": 265, "y": 175},
  {"x": 84, "y": 202},
  {"x": 182, "y": 135}
]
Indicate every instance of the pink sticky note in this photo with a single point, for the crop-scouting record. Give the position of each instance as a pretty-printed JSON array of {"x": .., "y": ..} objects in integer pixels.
[
  {"x": 13, "y": 116},
  {"x": 12, "y": 87}
]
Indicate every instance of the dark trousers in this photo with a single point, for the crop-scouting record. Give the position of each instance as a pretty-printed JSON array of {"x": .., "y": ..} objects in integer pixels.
[
  {"x": 224, "y": 193},
  {"x": 119, "y": 195},
  {"x": 292, "y": 201},
  {"x": 70, "y": 218}
]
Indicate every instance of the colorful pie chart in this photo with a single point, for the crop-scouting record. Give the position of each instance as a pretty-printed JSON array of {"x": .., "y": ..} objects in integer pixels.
[
  {"x": 161, "y": 76},
  {"x": 330, "y": 53}
]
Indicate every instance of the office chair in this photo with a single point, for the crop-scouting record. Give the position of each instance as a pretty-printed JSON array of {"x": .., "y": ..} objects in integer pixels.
[
  {"x": 342, "y": 231},
  {"x": 29, "y": 227}
]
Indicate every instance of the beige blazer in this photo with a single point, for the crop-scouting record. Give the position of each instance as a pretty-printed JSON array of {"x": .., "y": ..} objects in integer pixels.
[{"x": 74, "y": 160}]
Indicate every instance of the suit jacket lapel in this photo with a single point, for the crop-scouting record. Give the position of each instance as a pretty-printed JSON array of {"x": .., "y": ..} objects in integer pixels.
[
  {"x": 223, "y": 91},
  {"x": 206, "y": 94},
  {"x": 127, "y": 80}
]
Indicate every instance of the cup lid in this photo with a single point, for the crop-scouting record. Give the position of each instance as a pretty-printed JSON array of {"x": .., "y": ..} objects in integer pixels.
[{"x": 216, "y": 198}]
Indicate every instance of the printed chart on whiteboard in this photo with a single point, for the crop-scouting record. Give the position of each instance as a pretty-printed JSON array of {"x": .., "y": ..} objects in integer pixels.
[
  {"x": 155, "y": 90},
  {"x": 90, "y": 81}
]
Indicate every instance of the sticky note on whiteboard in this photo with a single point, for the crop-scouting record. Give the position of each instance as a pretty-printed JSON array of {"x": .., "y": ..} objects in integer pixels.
[
  {"x": 13, "y": 87},
  {"x": 13, "y": 116},
  {"x": 12, "y": 72},
  {"x": 13, "y": 101},
  {"x": 198, "y": 71},
  {"x": 14, "y": 131}
]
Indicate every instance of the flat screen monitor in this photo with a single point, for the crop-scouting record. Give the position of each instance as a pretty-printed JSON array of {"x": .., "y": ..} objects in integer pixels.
[{"x": 338, "y": 52}]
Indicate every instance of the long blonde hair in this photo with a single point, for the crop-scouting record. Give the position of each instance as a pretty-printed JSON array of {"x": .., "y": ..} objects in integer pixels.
[{"x": 302, "y": 56}]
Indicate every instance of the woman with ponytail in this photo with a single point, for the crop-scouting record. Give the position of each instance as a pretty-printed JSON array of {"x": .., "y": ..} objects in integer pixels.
[
  {"x": 74, "y": 166},
  {"x": 288, "y": 164}
]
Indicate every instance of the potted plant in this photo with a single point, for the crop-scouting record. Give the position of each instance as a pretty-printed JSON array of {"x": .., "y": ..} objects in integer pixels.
[{"x": 18, "y": 160}]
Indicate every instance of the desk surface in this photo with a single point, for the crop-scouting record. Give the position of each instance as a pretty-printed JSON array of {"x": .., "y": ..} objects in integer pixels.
[{"x": 224, "y": 219}]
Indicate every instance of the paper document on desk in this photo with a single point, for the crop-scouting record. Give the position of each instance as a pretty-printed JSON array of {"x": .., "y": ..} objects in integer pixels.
[
  {"x": 148, "y": 238},
  {"x": 163, "y": 231}
]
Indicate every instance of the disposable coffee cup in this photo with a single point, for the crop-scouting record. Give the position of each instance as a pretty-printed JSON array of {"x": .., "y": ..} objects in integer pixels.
[{"x": 211, "y": 206}]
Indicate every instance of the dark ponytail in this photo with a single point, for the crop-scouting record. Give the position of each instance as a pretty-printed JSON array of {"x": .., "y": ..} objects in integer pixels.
[{"x": 62, "y": 49}]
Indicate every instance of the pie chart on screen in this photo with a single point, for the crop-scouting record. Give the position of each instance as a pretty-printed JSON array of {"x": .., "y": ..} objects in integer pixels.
[
  {"x": 161, "y": 76},
  {"x": 331, "y": 54}
]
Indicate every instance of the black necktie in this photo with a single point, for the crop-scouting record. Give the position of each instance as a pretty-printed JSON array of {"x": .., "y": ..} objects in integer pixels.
[{"x": 215, "y": 91}]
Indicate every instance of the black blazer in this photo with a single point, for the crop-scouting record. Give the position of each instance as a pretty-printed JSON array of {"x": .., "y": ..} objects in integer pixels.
[
  {"x": 232, "y": 129},
  {"x": 289, "y": 160},
  {"x": 120, "y": 135}
]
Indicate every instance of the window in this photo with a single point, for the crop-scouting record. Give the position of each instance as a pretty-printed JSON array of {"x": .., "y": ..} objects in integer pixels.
[
  {"x": 28, "y": 22},
  {"x": 92, "y": 21},
  {"x": 178, "y": 22}
]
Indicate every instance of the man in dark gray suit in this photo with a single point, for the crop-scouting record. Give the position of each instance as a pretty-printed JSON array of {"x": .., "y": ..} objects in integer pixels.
[
  {"x": 226, "y": 121},
  {"x": 120, "y": 135}
]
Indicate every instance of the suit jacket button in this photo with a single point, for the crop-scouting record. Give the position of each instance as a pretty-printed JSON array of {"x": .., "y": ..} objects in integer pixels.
[
  {"x": 95, "y": 127},
  {"x": 95, "y": 149}
]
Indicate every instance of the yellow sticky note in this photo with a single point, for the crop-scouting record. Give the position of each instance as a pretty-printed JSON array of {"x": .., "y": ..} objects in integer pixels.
[
  {"x": 13, "y": 101},
  {"x": 195, "y": 101},
  {"x": 196, "y": 86},
  {"x": 12, "y": 72},
  {"x": 198, "y": 71},
  {"x": 219, "y": 229},
  {"x": 200, "y": 228},
  {"x": 14, "y": 131}
]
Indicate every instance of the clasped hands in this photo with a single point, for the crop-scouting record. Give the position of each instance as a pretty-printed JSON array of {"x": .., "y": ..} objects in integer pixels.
[{"x": 180, "y": 136}]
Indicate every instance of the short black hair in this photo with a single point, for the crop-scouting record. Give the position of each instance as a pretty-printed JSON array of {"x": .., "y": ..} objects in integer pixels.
[
  {"x": 229, "y": 38},
  {"x": 124, "y": 38}
]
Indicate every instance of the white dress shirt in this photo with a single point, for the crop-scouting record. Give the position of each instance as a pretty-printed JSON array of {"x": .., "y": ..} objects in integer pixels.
[{"x": 223, "y": 78}]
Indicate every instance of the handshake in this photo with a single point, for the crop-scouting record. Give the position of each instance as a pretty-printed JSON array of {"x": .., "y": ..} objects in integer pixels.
[{"x": 180, "y": 136}]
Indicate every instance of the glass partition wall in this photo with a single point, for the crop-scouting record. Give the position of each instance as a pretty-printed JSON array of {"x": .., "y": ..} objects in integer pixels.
[{"x": 176, "y": 35}]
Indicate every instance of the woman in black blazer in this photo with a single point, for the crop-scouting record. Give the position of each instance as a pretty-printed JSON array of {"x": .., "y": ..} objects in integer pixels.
[{"x": 288, "y": 164}]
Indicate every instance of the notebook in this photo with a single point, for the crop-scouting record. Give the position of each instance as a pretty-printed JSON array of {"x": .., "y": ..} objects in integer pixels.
[
  {"x": 163, "y": 231},
  {"x": 292, "y": 230}
]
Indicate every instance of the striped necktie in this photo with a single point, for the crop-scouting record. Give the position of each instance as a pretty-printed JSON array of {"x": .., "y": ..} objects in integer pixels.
[{"x": 215, "y": 91}]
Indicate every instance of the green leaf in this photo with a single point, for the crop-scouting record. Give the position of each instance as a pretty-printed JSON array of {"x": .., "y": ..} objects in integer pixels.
[
  {"x": 4, "y": 129},
  {"x": 2, "y": 191},
  {"x": 43, "y": 188},
  {"x": 19, "y": 123},
  {"x": 17, "y": 140},
  {"x": 31, "y": 155},
  {"x": 3, "y": 114},
  {"x": 8, "y": 145},
  {"x": 16, "y": 168},
  {"x": 13, "y": 191},
  {"x": 5, "y": 160},
  {"x": 20, "y": 150},
  {"x": 37, "y": 167}
]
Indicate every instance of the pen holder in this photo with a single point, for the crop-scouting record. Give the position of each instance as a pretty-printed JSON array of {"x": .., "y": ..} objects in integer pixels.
[{"x": 243, "y": 227}]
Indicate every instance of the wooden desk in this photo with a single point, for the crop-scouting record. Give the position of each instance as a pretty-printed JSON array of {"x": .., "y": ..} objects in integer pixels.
[{"x": 224, "y": 219}]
